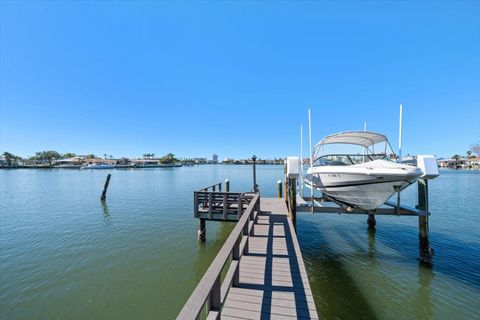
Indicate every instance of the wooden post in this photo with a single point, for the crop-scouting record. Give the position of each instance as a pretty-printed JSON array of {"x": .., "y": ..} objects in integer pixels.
[
  {"x": 227, "y": 185},
  {"x": 292, "y": 199},
  {"x": 371, "y": 220},
  {"x": 215, "y": 296},
  {"x": 279, "y": 192},
  {"x": 240, "y": 207},
  {"x": 254, "y": 158},
  {"x": 425, "y": 252},
  {"x": 225, "y": 206},
  {"x": 202, "y": 230},
  {"x": 210, "y": 205},
  {"x": 105, "y": 187}
]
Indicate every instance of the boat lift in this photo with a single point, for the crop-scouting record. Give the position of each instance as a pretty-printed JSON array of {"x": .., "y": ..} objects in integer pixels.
[{"x": 297, "y": 202}]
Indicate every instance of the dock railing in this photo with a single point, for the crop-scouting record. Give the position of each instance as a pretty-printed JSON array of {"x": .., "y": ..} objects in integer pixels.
[
  {"x": 210, "y": 292},
  {"x": 210, "y": 204}
]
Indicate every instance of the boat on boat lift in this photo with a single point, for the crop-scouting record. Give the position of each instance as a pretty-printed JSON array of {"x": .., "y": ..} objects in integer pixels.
[{"x": 366, "y": 179}]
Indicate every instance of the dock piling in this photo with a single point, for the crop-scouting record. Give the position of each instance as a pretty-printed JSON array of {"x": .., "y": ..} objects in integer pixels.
[
  {"x": 371, "y": 220},
  {"x": 202, "y": 230},
  {"x": 227, "y": 185},
  {"x": 425, "y": 252},
  {"x": 292, "y": 199},
  {"x": 255, "y": 187},
  {"x": 279, "y": 185},
  {"x": 105, "y": 187}
]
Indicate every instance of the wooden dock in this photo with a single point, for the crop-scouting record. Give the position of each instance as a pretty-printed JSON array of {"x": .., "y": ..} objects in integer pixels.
[
  {"x": 273, "y": 281},
  {"x": 265, "y": 275}
]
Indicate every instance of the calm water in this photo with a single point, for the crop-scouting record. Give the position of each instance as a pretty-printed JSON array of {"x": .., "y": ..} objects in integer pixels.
[{"x": 65, "y": 255}]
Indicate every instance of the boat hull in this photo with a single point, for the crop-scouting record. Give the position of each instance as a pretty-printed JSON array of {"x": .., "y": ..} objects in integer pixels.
[
  {"x": 361, "y": 186},
  {"x": 98, "y": 167}
]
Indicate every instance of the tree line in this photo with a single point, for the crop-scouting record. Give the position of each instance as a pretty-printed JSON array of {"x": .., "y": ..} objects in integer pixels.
[{"x": 50, "y": 156}]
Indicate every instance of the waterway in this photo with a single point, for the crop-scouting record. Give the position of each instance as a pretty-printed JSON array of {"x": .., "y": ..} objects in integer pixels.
[{"x": 65, "y": 255}]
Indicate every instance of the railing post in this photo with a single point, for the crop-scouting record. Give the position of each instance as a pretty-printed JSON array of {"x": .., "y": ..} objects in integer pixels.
[
  {"x": 236, "y": 256},
  {"x": 240, "y": 206},
  {"x": 213, "y": 187},
  {"x": 225, "y": 206},
  {"x": 216, "y": 295},
  {"x": 195, "y": 204},
  {"x": 220, "y": 187},
  {"x": 246, "y": 235},
  {"x": 210, "y": 204}
]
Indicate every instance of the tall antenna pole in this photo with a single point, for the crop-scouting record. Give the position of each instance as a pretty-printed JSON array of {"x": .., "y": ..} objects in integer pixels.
[
  {"x": 301, "y": 160},
  {"x": 311, "y": 153},
  {"x": 400, "y": 135},
  {"x": 364, "y": 149}
]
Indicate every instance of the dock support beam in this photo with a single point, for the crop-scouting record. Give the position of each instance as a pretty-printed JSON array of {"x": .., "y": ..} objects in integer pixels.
[
  {"x": 202, "y": 230},
  {"x": 105, "y": 187},
  {"x": 227, "y": 185},
  {"x": 425, "y": 252},
  {"x": 371, "y": 220},
  {"x": 279, "y": 186}
]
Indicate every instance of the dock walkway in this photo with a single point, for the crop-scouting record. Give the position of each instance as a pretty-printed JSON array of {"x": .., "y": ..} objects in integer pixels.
[{"x": 273, "y": 282}]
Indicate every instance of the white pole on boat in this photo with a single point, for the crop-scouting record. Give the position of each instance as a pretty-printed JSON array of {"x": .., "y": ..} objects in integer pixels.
[
  {"x": 301, "y": 160},
  {"x": 400, "y": 135},
  {"x": 311, "y": 153},
  {"x": 364, "y": 149}
]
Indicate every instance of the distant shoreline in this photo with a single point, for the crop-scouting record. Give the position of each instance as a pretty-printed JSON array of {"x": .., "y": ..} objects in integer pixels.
[{"x": 131, "y": 167}]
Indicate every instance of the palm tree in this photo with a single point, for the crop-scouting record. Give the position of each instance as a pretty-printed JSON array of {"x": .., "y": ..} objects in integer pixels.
[{"x": 8, "y": 158}]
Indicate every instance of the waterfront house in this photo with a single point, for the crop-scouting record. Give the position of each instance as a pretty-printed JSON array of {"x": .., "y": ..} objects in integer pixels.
[
  {"x": 72, "y": 162},
  {"x": 97, "y": 160}
]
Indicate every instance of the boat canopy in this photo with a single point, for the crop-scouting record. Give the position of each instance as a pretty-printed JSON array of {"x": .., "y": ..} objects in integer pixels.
[{"x": 361, "y": 138}]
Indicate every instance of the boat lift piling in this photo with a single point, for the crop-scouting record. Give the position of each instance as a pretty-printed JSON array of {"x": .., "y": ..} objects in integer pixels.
[{"x": 425, "y": 252}]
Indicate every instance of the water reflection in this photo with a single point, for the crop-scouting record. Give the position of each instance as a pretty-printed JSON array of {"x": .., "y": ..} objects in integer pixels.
[
  {"x": 106, "y": 211},
  {"x": 372, "y": 251},
  {"x": 422, "y": 302}
]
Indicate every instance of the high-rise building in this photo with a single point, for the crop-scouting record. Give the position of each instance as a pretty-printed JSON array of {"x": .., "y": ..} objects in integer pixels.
[{"x": 215, "y": 158}]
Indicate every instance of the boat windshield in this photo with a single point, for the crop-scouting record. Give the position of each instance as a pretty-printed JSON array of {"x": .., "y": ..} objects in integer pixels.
[{"x": 348, "y": 159}]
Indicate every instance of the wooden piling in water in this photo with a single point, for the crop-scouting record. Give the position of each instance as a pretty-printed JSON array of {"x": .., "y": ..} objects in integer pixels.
[
  {"x": 202, "y": 230},
  {"x": 371, "y": 220},
  {"x": 227, "y": 185},
  {"x": 105, "y": 187},
  {"x": 279, "y": 186},
  {"x": 425, "y": 252}
]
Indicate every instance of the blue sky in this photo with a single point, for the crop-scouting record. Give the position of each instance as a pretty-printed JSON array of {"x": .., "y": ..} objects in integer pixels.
[{"x": 235, "y": 78}]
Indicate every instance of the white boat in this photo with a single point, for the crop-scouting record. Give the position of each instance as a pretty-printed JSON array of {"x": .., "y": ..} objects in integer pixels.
[
  {"x": 365, "y": 179},
  {"x": 98, "y": 165}
]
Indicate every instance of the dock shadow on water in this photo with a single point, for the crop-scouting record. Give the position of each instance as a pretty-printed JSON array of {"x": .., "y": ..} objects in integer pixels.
[{"x": 336, "y": 294}]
